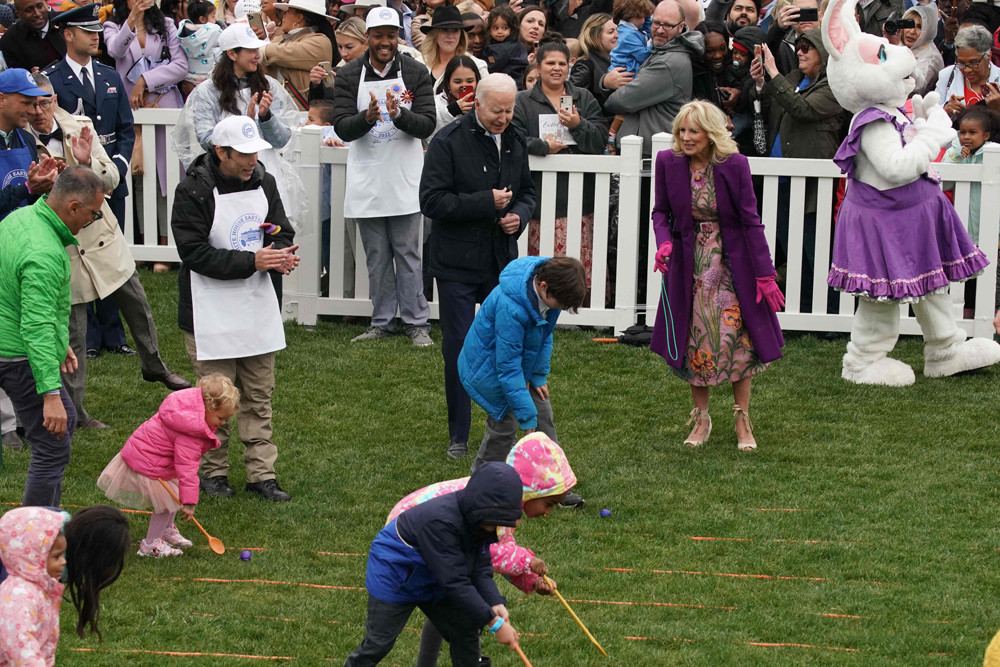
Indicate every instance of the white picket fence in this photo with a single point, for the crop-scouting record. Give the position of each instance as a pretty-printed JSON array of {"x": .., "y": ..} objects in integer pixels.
[{"x": 304, "y": 303}]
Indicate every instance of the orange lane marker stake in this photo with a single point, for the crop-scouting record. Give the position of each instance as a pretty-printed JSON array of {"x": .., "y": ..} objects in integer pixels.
[
  {"x": 523, "y": 656},
  {"x": 576, "y": 618},
  {"x": 214, "y": 542}
]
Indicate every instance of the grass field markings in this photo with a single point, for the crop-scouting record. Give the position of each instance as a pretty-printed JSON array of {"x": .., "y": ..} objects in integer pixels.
[
  {"x": 662, "y": 639},
  {"x": 850, "y": 616},
  {"x": 775, "y": 509},
  {"x": 126, "y": 511},
  {"x": 187, "y": 654},
  {"x": 733, "y": 575},
  {"x": 260, "y": 581},
  {"x": 626, "y": 603},
  {"x": 778, "y": 540},
  {"x": 792, "y": 645}
]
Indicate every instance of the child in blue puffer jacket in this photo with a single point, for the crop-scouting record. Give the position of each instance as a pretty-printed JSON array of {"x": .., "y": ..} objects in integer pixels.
[{"x": 505, "y": 359}]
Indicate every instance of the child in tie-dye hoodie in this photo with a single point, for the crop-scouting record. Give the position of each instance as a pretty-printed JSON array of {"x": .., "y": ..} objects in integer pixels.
[
  {"x": 32, "y": 547},
  {"x": 545, "y": 479}
]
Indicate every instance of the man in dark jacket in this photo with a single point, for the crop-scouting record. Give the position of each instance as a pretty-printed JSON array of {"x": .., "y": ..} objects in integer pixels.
[
  {"x": 477, "y": 190},
  {"x": 231, "y": 233},
  {"x": 785, "y": 30},
  {"x": 383, "y": 104},
  {"x": 32, "y": 42},
  {"x": 436, "y": 556}
]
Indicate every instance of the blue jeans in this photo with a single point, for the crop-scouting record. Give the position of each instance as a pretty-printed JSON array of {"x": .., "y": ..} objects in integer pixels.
[{"x": 49, "y": 454}]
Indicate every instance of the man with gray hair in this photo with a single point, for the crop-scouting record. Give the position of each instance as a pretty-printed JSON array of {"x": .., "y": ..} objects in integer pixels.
[
  {"x": 34, "y": 322},
  {"x": 477, "y": 190},
  {"x": 662, "y": 85}
]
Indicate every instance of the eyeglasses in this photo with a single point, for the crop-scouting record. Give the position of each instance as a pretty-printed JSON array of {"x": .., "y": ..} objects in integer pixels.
[
  {"x": 666, "y": 26},
  {"x": 971, "y": 65},
  {"x": 803, "y": 47},
  {"x": 94, "y": 215},
  {"x": 42, "y": 104}
]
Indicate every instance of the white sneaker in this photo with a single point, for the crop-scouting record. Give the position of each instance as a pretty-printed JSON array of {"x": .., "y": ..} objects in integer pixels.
[
  {"x": 173, "y": 537},
  {"x": 157, "y": 549}
]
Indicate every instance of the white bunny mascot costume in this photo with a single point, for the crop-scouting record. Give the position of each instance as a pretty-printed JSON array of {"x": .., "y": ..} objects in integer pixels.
[{"x": 898, "y": 239}]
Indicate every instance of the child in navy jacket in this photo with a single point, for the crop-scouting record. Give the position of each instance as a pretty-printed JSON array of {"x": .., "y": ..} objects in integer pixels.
[
  {"x": 436, "y": 556},
  {"x": 504, "y": 51}
]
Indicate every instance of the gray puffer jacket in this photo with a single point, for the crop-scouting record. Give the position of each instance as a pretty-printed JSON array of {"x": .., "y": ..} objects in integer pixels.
[{"x": 660, "y": 88}]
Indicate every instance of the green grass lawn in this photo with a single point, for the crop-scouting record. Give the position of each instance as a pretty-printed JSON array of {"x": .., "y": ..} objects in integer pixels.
[{"x": 862, "y": 532}]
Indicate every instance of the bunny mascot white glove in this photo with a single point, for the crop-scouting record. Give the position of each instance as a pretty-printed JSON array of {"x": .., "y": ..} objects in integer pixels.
[{"x": 898, "y": 239}]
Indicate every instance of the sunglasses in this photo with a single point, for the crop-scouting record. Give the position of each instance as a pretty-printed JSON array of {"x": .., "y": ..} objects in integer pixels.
[
  {"x": 94, "y": 215},
  {"x": 803, "y": 47}
]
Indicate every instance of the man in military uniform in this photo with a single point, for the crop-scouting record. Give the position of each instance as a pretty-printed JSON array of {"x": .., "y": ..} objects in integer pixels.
[{"x": 86, "y": 87}]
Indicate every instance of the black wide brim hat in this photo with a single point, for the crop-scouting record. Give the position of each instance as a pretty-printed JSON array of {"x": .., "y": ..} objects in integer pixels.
[{"x": 445, "y": 17}]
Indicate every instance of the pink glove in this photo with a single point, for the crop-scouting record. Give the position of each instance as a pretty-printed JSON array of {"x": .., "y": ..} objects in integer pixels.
[
  {"x": 662, "y": 255},
  {"x": 768, "y": 290}
]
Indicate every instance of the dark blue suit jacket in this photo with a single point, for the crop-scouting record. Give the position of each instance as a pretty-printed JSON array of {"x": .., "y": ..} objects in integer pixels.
[
  {"x": 12, "y": 195},
  {"x": 112, "y": 115}
]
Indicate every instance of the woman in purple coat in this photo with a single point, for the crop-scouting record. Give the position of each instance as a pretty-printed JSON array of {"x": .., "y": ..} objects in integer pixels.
[{"x": 716, "y": 321}]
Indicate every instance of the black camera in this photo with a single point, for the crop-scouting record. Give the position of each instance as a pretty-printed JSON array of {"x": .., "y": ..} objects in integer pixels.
[
  {"x": 894, "y": 24},
  {"x": 807, "y": 14}
]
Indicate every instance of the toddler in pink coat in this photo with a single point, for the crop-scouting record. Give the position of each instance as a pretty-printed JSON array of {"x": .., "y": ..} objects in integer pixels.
[
  {"x": 169, "y": 446},
  {"x": 32, "y": 547}
]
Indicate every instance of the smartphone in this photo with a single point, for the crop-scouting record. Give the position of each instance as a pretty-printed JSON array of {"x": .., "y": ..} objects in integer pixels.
[
  {"x": 807, "y": 14},
  {"x": 256, "y": 21},
  {"x": 328, "y": 79},
  {"x": 758, "y": 54},
  {"x": 566, "y": 102},
  {"x": 463, "y": 91}
]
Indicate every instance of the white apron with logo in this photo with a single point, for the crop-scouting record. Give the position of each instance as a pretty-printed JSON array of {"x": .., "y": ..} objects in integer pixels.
[
  {"x": 236, "y": 318},
  {"x": 383, "y": 167}
]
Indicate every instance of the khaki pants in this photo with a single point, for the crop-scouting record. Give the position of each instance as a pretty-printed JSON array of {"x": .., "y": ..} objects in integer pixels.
[{"x": 254, "y": 377}]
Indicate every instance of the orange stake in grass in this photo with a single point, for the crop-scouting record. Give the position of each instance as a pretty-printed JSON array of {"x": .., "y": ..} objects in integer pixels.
[
  {"x": 575, "y": 617},
  {"x": 213, "y": 542},
  {"x": 523, "y": 656}
]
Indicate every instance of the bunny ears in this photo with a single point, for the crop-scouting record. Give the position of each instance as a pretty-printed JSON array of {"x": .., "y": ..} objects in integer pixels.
[{"x": 840, "y": 27}]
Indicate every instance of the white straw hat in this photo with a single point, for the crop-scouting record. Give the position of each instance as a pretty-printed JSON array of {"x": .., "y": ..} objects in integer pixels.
[{"x": 311, "y": 6}]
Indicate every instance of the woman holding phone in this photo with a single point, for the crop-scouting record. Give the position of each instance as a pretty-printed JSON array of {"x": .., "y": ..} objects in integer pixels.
[
  {"x": 456, "y": 94},
  {"x": 560, "y": 118}
]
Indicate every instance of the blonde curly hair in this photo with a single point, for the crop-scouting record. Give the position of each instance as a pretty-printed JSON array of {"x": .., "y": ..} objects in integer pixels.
[
  {"x": 219, "y": 392},
  {"x": 709, "y": 118}
]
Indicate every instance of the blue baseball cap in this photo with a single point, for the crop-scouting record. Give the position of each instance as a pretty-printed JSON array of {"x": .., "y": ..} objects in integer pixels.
[{"x": 19, "y": 80}]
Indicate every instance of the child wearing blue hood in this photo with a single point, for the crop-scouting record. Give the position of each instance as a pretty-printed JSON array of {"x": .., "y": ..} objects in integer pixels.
[
  {"x": 504, "y": 362},
  {"x": 436, "y": 556}
]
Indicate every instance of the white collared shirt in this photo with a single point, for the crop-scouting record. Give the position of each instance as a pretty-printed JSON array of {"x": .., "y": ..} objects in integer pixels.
[
  {"x": 78, "y": 68},
  {"x": 495, "y": 137},
  {"x": 55, "y": 146}
]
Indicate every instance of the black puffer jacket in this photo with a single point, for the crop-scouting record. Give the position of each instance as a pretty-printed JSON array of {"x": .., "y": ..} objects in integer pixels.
[
  {"x": 191, "y": 222},
  {"x": 461, "y": 169},
  {"x": 418, "y": 121}
]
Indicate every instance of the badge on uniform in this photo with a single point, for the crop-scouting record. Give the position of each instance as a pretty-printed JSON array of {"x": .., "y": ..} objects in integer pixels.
[{"x": 112, "y": 90}]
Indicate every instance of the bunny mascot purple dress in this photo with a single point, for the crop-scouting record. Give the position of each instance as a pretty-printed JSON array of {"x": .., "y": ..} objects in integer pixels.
[{"x": 898, "y": 239}]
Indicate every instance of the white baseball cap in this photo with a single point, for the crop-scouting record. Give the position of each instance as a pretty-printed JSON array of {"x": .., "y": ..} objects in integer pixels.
[
  {"x": 239, "y": 36},
  {"x": 244, "y": 7},
  {"x": 382, "y": 16},
  {"x": 240, "y": 134}
]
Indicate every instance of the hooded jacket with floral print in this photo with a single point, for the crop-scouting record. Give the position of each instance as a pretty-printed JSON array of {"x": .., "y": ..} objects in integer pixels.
[
  {"x": 544, "y": 471},
  {"x": 29, "y": 597}
]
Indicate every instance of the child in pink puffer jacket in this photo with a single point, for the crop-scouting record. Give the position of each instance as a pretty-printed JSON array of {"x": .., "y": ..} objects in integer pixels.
[
  {"x": 169, "y": 446},
  {"x": 32, "y": 548},
  {"x": 545, "y": 479}
]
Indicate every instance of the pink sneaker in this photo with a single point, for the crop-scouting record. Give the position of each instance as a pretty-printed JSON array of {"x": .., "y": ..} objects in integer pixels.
[
  {"x": 173, "y": 537},
  {"x": 158, "y": 549}
]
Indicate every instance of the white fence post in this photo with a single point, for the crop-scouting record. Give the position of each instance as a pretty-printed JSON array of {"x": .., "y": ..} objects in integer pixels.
[
  {"x": 300, "y": 294},
  {"x": 629, "y": 191},
  {"x": 989, "y": 233}
]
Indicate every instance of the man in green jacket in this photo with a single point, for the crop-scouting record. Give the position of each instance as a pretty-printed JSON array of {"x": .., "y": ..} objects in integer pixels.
[{"x": 34, "y": 322}]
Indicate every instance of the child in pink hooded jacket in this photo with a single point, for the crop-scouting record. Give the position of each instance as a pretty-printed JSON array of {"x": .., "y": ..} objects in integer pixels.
[
  {"x": 169, "y": 446},
  {"x": 32, "y": 548},
  {"x": 545, "y": 479}
]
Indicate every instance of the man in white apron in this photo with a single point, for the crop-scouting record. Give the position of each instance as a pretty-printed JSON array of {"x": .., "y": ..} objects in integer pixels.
[
  {"x": 384, "y": 106},
  {"x": 233, "y": 237}
]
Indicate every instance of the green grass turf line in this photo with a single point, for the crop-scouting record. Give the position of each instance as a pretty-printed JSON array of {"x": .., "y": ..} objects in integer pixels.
[{"x": 896, "y": 486}]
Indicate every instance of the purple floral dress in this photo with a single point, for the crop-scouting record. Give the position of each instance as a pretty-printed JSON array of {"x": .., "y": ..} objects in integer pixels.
[{"x": 718, "y": 347}]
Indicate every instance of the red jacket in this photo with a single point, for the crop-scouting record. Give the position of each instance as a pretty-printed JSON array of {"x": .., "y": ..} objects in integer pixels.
[{"x": 170, "y": 444}]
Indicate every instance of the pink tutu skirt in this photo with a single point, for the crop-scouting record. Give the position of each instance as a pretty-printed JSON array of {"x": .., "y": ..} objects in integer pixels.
[{"x": 127, "y": 487}]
